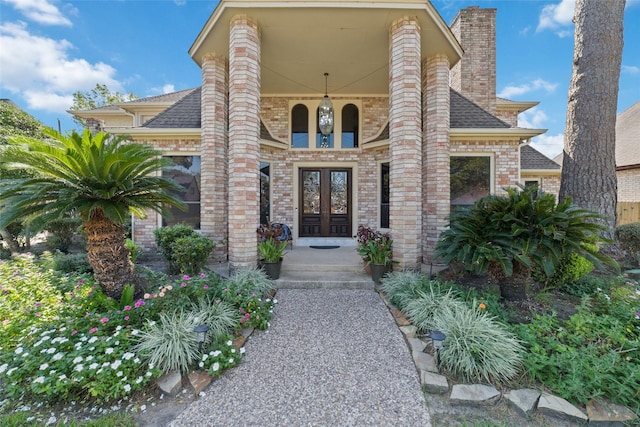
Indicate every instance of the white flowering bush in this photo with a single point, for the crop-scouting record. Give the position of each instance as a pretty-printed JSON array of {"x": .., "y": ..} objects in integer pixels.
[
  {"x": 59, "y": 363},
  {"x": 62, "y": 339}
]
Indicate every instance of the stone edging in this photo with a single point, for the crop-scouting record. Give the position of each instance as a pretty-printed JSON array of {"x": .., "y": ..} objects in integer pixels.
[{"x": 525, "y": 401}]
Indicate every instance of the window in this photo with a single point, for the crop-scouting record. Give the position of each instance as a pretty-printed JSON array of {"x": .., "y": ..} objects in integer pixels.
[
  {"x": 350, "y": 124},
  {"x": 470, "y": 179},
  {"x": 265, "y": 194},
  {"x": 304, "y": 131},
  {"x": 532, "y": 183},
  {"x": 186, "y": 172},
  {"x": 384, "y": 195},
  {"x": 300, "y": 126}
]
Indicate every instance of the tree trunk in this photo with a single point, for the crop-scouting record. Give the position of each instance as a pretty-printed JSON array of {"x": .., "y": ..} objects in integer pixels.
[
  {"x": 108, "y": 254},
  {"x": 8, "y": 238},
  {"x": 589, "y": 164}
]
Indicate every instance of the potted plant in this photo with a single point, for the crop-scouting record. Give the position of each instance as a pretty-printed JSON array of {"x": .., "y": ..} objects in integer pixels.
[
  {"x": 271, "y": 249},
  {"x": 376, "y": 250}
]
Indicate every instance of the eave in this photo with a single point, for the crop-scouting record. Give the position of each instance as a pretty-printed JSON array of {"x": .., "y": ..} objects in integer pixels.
[
  {"x": 470, "y": 134},
  {"x": 160, "y": 133}
]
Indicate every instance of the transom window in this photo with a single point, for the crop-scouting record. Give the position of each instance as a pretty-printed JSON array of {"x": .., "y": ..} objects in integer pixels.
[{"x": 346, "y": 129}]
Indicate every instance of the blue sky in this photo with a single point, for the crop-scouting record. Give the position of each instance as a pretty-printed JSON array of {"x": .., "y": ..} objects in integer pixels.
[{"x": 52, "y": 48}]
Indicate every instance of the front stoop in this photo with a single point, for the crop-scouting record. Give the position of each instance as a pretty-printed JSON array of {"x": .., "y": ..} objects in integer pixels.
[{"x": 323, "y": 280}]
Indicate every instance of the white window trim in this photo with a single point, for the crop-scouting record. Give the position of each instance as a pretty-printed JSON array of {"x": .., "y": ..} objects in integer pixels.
[
  {"x": 184, "y": 154},
  {"x": 492, "y": 165}
]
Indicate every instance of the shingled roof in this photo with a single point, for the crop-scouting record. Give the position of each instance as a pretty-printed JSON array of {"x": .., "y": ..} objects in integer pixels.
[
  {"x": 184, "y": 114},
  {"x": 532, "y": 159},
  {"x": 467, "y": 114}
]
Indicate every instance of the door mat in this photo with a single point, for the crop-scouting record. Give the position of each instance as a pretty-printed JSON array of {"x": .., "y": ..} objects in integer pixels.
[{"x": 324, "y": 247}]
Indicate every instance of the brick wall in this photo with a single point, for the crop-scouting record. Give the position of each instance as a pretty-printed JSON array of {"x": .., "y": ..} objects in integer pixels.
[
  {"x": 509, "y": 117},
  {"x": 474, "y": 76},
  {"x": 629, "y": 185},
  {"x": 506, "y": 157}
]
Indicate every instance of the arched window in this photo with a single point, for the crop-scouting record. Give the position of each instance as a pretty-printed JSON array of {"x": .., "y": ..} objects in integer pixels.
[
  {"x": 350, "y": 124},
  {"x": 300, "y": 126}
]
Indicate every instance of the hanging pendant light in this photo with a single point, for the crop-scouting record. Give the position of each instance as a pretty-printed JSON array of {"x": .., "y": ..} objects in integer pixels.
[{"x": 325, "y": 115}]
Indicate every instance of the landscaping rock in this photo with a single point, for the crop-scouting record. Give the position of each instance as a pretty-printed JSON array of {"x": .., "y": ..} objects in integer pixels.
[
  {"x": 434, "y": 383},
  {"x": 524, "y": 400},
  {"x": 199, "y": 380},
  {"x": 402, "y": 321},
  {"x": 416, "y": 344},
  {"x": 238, "y": 342},
  {"x": 557, "y": 407},
  {"x": 246, "y": 332},
  {"x": 603, "y": 413},
  {"x": 473, "y": 394},
  {"x": 424, "y": 361},
  {"x": 409, "y": 331},
  {"x": 170, "y": 383}
]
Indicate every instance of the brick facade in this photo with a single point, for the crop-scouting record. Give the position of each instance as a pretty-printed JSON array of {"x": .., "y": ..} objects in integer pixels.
[
  {"x": 474, "y": 76},
  {"x": 435, "y": 152},
  {"x": 214, "y": 162},
  {"x": 405, "y": 140},
  {"x": 629, "y": 185},
  {"x": 244, "y": 141}
]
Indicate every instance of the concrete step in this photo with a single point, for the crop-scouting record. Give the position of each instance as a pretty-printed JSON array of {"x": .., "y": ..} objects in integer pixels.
[{"x": 324, "y": 280}]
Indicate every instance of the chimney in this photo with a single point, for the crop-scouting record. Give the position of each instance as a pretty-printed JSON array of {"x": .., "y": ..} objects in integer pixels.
[{"x": 474, "y": 76}]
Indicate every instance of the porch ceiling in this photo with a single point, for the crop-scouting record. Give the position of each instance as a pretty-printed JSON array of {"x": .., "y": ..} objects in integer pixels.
[{"x": 303, "y": 40}]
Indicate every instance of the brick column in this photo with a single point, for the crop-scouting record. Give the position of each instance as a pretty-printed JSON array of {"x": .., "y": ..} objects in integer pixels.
[
  {"x": 435, "y": 151},
  {"x": 244, "y": 141},
  {"x": 214, "y": 144},
  {"x": 405, "y": 142}
]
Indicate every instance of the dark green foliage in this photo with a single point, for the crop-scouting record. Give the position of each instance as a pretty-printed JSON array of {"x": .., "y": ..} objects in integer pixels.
[
  {"x": 5, "y": 253},
  {"x": 71, "y": 263},
  {"x": 594, "y": 353},
  {"x": 61, "y": 232},
  {"x": 526, "y": 227},
  {"x": 629, "y": 237},
  {"x": 570, "y": 269},
  {"x": 191, "y": 253},
  {"x": 165, "y": 238}
]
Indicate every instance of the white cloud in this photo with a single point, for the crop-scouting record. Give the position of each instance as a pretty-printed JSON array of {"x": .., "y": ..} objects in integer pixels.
[
  {"x": 41, "y": 11},
  {"x": 557, "y": 16},
  {"x": 50, "y": 76},
  {"x": 536, "y": 85},
  {"x": 630, "y": 69},
  {"x": 549, "y": 145},
  {"x": 168, "y": 88},
  {"x": 534, "y": 118}
]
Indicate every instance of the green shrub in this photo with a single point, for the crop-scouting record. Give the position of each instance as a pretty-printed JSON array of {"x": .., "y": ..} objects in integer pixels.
[
  {"x": 425, "y": 307},
  {"x": 255, "y": 280},
  {"x": 170, "y": 344},
  {"x": 134, "y": 250},
  {"x": 476, "y": 348},
  {"x": 191, "y": 253},
  {"x": 165, "y": 237},
  {"x": 507, "y": 236},
  {"x": 61, "y": 232},
  {"x": 70, "y": 263},
  {"x": 629, "y": 237},
  {"x": 404, "y": 286},
  {"x": 220, "y": 316},
  {"x": 570, "y": 269},
  {"x": 594, "y": 353}
]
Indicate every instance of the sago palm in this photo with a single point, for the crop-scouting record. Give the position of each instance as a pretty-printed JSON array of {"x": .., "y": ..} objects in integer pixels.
[{"x": 101, "y": 178}]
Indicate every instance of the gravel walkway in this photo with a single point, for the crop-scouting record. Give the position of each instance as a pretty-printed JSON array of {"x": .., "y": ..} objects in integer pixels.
[{"x": 332, "y": 357}]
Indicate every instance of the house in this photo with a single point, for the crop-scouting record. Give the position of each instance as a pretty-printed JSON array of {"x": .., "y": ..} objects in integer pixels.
[
  {"x": 326, "y": 115},
  {"x": 628, "y": 154}
]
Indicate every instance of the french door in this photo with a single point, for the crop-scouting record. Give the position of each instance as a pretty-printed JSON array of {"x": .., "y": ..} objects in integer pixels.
[{"x": 325, "y": 202}]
